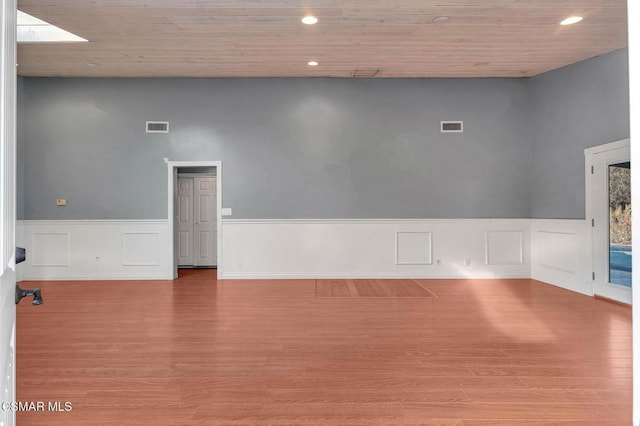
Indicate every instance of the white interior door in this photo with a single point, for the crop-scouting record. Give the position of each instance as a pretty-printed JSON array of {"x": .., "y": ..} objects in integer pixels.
[
  {"x": 609, "y": 186},
  {"x": 204, "y": 218},
  {"x": 185, "y": 222},
  {"x": 7, "y": 207}
]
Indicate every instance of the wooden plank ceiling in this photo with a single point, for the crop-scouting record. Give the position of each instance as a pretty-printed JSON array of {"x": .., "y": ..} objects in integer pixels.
[{"x": 265, "y": 38}]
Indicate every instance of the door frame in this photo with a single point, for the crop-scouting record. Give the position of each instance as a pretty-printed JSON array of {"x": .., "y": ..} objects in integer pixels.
[
  {"x": 8, "y": 144},
  {"x": 590, "y": 156},
  {"x": 172, "y": 167}
]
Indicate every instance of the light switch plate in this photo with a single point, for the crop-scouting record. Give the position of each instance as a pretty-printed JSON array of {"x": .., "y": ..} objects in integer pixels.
[
  {"x": 226, "y": 211},
  {"x": 61, "y": 202}
]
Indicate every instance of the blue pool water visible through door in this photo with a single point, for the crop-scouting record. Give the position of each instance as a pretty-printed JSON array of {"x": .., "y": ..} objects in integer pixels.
[{"x": 620, "y": 264}]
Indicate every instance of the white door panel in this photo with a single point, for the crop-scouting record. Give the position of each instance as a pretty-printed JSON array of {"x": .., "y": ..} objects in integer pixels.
[
  {"x": 184, "y": 246},
  {"x": 204, "y": 221},
  {"x": 184, "y": 209},
  {"x": 185, "y": 222},
  {"x": 204, "y": 209},
  {"x": 203, "y": 246}
]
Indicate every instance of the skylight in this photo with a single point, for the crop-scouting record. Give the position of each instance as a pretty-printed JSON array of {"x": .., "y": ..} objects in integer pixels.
[{"x": 33, "y": 30}]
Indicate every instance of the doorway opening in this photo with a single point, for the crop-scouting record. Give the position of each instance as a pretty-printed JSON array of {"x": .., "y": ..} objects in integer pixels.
[
  {"x": 608, "y": 195},
  {"x": 196, "y": 217},
  {"x": 194, "y": 193}
]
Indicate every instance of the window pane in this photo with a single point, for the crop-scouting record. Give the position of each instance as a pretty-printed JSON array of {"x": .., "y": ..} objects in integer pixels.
[{"x": 620, "y": 224}]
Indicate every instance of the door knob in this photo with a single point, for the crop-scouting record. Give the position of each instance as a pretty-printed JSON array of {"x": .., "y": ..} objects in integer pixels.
[
  {"x": 35, "y": 292},
  {"x": 21, "y": 256}
]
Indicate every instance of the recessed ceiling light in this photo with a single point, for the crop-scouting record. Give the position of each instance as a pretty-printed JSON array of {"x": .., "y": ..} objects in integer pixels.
[
  {"x": 440, "y": 19},
  {"x": 313, "y": 63},
  {"x": 309, "y": 20},
  {"x": 571, "y": 20},
  {"x": 91, "y": 64}
]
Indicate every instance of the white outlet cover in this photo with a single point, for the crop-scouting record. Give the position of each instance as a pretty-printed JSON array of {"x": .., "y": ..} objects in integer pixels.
[{"x": 226, "y": 211}]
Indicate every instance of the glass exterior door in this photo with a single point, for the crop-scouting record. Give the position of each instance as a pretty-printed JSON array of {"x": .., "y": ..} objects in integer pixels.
[
  {"x": 619, "y": 177},
  {"x": 609, "y": 214}
]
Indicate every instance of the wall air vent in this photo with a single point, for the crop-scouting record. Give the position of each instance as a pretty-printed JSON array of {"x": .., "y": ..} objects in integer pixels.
[
  {"x": 157, "y": 127},
  {"x": 365, "y": 73},
  {"x": 451, "y": 127}
]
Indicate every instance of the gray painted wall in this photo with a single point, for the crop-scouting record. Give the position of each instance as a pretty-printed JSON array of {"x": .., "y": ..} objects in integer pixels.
[
  {"x": 290, "y": 148},
  {"x": 322, "y": 148},
  {"x": 573, "y": 108}
]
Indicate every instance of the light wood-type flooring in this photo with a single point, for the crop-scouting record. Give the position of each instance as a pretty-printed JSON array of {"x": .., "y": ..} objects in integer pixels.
[{"x": 197, "y": 351}]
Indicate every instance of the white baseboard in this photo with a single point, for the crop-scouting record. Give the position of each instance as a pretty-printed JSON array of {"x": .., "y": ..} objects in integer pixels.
[
  {"x": 92, "y": 277},
  {"x": 559, "y": 254},
  {"x": 303, "y": 276},
  {"x": 94, "y": 250}
]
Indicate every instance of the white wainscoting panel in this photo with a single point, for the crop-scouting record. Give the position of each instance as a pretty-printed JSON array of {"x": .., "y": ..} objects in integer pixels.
[
  {"x": 94, "y": 249},
  {"x": 418, "y": 248},
  {"x": 505, "y": 247},
  {"x": 140, "y": 248},
  {"x": 560, "y": 253},
  {"x": 413, "y": 248},
  {"x": 50, "y": 249},
  {"x": 557, "y": 251}
]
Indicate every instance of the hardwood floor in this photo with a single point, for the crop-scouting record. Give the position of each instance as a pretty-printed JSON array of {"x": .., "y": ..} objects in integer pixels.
[
  {"x": 197, "y": 351},
  {"x": 371, "y": 288}
]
